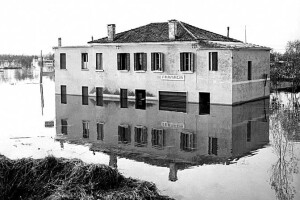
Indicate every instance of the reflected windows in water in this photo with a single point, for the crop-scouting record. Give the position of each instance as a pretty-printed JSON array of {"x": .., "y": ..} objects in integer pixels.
[
  {"x": 140, "y": 99},
  {"x": 158, "y": 138},
  {"x": 100, "y": 131},
  {"x": 140, "y": 136},
  {"x": 63, "y": 93},
  {"x": 212, "y": 146},
  {"x": 99, "y": 96},
  {"x": 85, "y": 129},
  {"x": 123, "y": 98},
  {"x": 249, "y": 131},
  {"x": 124, "y": 135},
  {"x": 204, "y": 103},
  {"x": 64, "y": 126},
  {"x": 187, "y": 141}
]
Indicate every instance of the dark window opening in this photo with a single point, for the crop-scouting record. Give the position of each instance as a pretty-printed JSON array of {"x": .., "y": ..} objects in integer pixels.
[
  {"x": 99, "y": 62},
  {"x": 85, "y": 96},
  {"x": 100, "y": 131},
  {"x": 212, "y": 146},
  {"x": 158, "y": 138},
  {"x": 249, "y": 131},
  {"x": 187, "y": 61},
  {"x": 62, "y": 61},
  {"x": 64, "y": 127},
  {"x": 213, "y": 61},
  {"x": 123, "y": 61},
  {"x": 63, "y": 94},
  {"x": 249, "y": 70},
  {"x": 157, "y": 61},
  {"x": 173, "y": 101},
  {"x": 85, "y": 129},
  {"x": 140, "y": 99},
  {"x": 123, "y": 98},
  {"x": 84, "y": 60},
  {"x": 124, "y": 135},
  {"x": 140, "y": 136},
  {"x": 99, "y": 96},
  {"x": 187, "y": 141},
  {"x": 140, "y": 62},
  {"x": 204, "y": 103}
]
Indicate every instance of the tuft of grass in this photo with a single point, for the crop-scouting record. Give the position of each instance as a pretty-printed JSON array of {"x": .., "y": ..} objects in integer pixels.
[{"x": 63, "y": 179}]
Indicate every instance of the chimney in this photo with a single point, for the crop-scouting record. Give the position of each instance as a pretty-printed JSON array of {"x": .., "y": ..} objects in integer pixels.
[
  {"x": 111, "y": 30},
  {"x": 59, "y": 42},
  {"x": 92, "y": 38},
  {"x": 227, "y": 31},
  {"x": 173, "y": 29}
]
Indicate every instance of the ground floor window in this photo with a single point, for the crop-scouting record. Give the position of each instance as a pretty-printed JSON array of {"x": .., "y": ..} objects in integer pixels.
[
  {"x": 212, "y": 146},
  {"x": 124, "y": 98},
  {"x": 85, "y": 129},
  {"x": 173, "y": 101},
  {"x": 63, "y": 93},
  {"x": 204, "y": 103},
  {"x": 99, "y": 96},
  {"x": 64, "y": 127},
  {"x": 140, "y": 99},
  {"x": 100, "y": 131}
]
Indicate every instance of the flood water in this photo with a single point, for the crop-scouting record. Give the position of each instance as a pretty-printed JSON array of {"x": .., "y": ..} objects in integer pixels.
[{"x": 250, "y": 151}]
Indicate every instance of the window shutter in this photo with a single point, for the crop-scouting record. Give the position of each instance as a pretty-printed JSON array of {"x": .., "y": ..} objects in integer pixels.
[
  {"x": 135, "y": 134},
  {"x": 181, "y": 61},
  {"x": 120, "y": 133},
  {"x": 119, "y": 61},
  {"x": 152, "y": 61},
  {"x": 128, "y": 61},
  {"x": 209, "y": 60},
  {"x": 128, "y": 134},
  {"x": 145, "y": 61},
  {"x": 135, "y": 61},
  {"x": 215, "y": 61},
  {"x": 162, "y": 62},
  {"x": 163, "y": 138},
  {"x": 192, "y": 61}
]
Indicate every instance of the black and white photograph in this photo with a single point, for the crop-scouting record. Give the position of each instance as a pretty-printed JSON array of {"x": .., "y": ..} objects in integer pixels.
[{"x": 152, "y": 99}]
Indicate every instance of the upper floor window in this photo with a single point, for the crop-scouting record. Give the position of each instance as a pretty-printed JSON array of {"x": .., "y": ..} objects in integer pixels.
[
  {"x": 213, "y": 61},
  {"x": 62, "y": 61},
  {"x": 157, "y": 61},
  {"x": 140, "y": 62},
  {"x": 99, "y": 61},
  {"x": 123, "y": 61},
  {"x": 84, "y": 60},
  {"x": 187, "y": 61}
]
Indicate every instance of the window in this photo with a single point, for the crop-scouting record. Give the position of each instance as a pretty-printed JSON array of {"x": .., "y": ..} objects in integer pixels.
[
  {"x": 157, "y": 61},
  {"x": 212, "y": 146},
  {"x": 84, "y": 60},
  {"x": 158, "y": 138},
  {"x": 99, "y": 61},
  {"x": 187, "y": 141},
  {"x": 173, "y": 101},
  {"x": 124, "y": 135},
  {"x": 140, "y": 99},
  {"x": 99, "y": 96},
  {"x": 249, "y": 70},
  {"x": 62, "y": 61},
  {"x": 123, "y": 61},
  {"x": 140, "y": 62},
  {"x": 140, "y": 136},
  {"x": 63, "y": 92},
  {"x": 85, "y": 95},
  {"x": 123, "y": 98},
  {"x": 187, "y": 61},
  {"x": 64, "y": 127},
  {"x": 213, "y": 61},
  {"x": 204, "y": 103},
  {"x": 85, "y": 129},
  {"x": 249, "y": 131},
  {"x": 100, "y": 133}
]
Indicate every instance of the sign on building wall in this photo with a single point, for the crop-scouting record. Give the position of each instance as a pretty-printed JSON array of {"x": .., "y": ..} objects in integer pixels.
[
  {"x": 172, "y": 77},
  {"x": 172, "y": 125}
]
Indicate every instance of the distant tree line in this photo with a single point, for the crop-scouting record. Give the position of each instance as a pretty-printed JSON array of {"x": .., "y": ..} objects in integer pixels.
[
  {"x": 24, "y": 60},
  {"x": 286, "y": 66}
]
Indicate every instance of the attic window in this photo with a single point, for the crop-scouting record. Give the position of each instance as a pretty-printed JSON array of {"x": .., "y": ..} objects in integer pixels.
[{"x": 187, "y": 61}]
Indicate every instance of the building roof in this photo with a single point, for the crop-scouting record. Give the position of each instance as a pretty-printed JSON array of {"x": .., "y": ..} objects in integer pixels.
[{"x": 159, "y": 32}]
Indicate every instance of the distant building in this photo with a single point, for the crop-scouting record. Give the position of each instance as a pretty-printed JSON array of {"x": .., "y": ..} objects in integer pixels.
[{"x": 170, "y": 62}]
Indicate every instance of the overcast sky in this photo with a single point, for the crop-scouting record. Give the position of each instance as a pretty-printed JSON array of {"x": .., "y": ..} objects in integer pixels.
[{"x": 27, "y": 27}]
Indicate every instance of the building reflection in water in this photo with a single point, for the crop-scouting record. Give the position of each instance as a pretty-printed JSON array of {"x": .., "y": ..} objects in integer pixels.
[{"x": 160, "y": 137}]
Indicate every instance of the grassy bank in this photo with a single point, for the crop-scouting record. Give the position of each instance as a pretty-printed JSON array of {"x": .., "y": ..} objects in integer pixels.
[{"x": 62, "y": 179}]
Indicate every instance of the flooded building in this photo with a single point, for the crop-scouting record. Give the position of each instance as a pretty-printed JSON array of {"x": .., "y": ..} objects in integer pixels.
[
  {"x": 161, "y": 137},
  {"x": 169, "y": 61}
]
